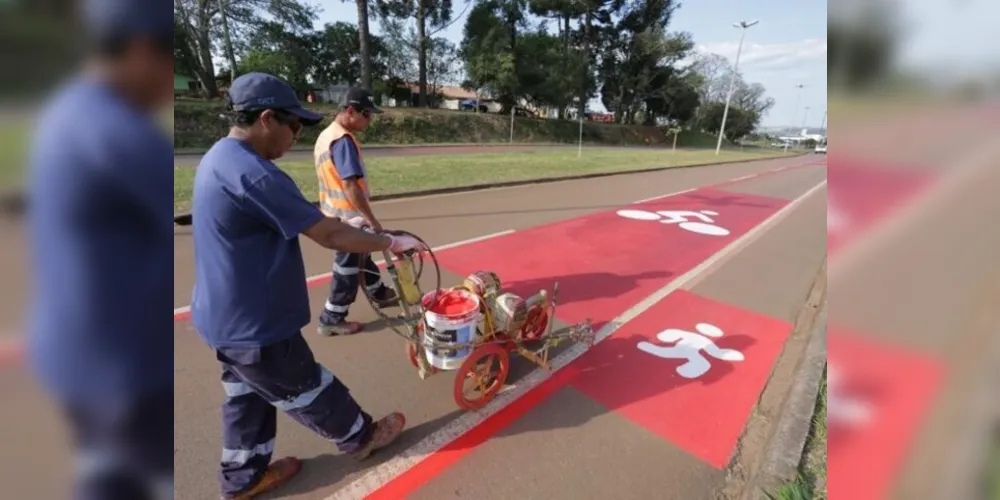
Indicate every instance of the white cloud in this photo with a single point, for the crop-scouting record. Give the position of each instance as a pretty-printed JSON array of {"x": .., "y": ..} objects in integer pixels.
[{"x": 770, "y": 57}]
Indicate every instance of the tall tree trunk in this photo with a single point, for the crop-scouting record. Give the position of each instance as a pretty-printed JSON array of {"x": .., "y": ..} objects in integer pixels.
[
  {"x": 206, "y": 70},
  {"x": 589, "y": 58},
  {"x": 422, "y": 52},
  {"x": 365, "y": 44},
  {"x": 227, "y": 40}
]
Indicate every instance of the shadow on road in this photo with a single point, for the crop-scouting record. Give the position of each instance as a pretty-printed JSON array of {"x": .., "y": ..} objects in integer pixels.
[
  {"x": 327, "y": 469},
  {"x": 587, "y": 286},
  {"x": 590, "y": 372}
]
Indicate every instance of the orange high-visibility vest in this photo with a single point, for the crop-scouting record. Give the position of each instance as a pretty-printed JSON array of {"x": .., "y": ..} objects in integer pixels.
[{"x": 333, "y": 200}]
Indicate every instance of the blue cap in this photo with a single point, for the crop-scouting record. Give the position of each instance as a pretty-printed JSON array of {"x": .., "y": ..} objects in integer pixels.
[
  {"x": 127, "y": 18},
  {"x": 263, "y": 91}
]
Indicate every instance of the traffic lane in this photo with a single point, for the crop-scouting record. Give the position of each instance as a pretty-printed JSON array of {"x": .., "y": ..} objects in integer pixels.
[
  {"x": 615, "y": 391},
  {"x": 373, "y": 364},
  {"x": 16, "y": 276},
  {"x": 570, "y": 446},
  {"x": 778, "y": 186},
  {"x": 931, "y": 273},
  {"x": 36, "y": 458},
  {"x": 906, "y": 338},
  {"x": 445, "y": 219}
]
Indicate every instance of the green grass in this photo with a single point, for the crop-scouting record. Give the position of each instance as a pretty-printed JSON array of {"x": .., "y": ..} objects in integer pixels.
[
  {"x": 400, "y": 174},
  {"x": 993, "y": 471},
  {"x": 14, "y": 139},
  {"x": 811, "y": 481},
  {"x": 13, "y": 144}
]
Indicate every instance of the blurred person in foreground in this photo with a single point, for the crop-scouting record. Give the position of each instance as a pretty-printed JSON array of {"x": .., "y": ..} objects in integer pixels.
[
  {"x": 100, "y": 223},
  {"x": 250, "y": 298},
  {"x": 343, "y": 193}
]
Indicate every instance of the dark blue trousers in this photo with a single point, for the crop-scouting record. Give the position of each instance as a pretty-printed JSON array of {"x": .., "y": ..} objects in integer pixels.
[
  {"x": 344, "y": 286},
  {"x": 125, "y": 447},
  {"x": 283, "y": 376}
]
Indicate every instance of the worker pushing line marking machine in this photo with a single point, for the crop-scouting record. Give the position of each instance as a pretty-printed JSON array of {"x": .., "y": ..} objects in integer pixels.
[{"x": 471, "y": 328}]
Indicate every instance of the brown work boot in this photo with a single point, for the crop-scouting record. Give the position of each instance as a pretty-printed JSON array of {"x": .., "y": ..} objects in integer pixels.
[
  {"x": 386, "y": 431},
  {"x": 386, "y": 297},
  {"x": 342, "y": 327},
  {"x": 277, "y": 474}
]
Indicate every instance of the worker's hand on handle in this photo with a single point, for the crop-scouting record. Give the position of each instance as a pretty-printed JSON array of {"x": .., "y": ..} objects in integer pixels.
[
  {"x": 404, "y": 242},
  {"x": 359, "y": 222}
]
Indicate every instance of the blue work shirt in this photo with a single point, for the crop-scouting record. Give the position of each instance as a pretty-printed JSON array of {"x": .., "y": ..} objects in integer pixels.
[
  {"x": 346, "y": 159},
  {"x": 100, "y": 224},
  {"x": 250, "y": 288}
]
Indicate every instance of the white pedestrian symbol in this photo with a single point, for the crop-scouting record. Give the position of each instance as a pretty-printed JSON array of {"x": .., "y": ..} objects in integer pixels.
[
  {"x": 842, "y": 408},
  {"x": 680, "y": 217},
  {"x": 692, "y": 347},
  {"x": 835, "y": 219}
]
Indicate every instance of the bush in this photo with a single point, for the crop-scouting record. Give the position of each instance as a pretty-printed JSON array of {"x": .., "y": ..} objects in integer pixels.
[{"x": 198, "y": 124}]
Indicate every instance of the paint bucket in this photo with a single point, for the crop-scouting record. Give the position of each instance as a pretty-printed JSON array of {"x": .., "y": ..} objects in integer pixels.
[{"x": 451, "y": 317}]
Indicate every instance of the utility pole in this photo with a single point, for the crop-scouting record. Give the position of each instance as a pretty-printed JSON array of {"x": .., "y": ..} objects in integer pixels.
[{"x": 743, "y": 25}]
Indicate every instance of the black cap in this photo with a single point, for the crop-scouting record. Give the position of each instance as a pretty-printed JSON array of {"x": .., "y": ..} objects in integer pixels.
[
  {"x": 254, "y": 91},
  {"x": 108, "y": 19},
  {"x": 360, "y": 99}
]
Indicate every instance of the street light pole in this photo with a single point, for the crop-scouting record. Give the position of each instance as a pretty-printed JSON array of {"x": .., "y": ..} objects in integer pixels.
[
  {"x": 798, "y": 98},
  {"x": 743, "y": 25},
  {"x": 805, "y": 117}
]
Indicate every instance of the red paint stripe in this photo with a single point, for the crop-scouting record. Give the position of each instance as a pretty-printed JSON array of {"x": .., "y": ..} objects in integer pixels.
[{"x": 428, "y": 468}]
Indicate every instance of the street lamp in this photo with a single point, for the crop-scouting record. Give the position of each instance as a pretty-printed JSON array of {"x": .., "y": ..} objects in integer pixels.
[
  {"x": 798, "y": 98},
  {"x": 805, "y": 117},
  {"x": 743, "y": 25}
]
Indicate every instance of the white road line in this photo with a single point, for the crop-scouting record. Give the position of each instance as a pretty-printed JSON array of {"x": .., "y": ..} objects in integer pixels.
[
  {"x": 320, "y": 277},
  {"x": 912, "y": 212},
  {"x": 727, "y": 181},
  {"x": 644, "y": 200},
  {"x": 395, "y": 466}
]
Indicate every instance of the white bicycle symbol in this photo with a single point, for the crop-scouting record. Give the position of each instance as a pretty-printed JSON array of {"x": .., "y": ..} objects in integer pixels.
[{"x": 680, "y": 217}]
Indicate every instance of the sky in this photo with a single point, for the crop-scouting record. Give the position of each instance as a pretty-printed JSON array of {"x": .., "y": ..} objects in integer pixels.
[{"x": 787, "y": 47}]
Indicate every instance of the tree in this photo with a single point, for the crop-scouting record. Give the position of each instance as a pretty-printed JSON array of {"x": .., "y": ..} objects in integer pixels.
[
  {"x": 204, "y": 23},
  {"x": 364, "y": 44},
  {"x": 441, "y": 67},
  {"x": 427, "y": 14},
  {"x": 638, "y": 58},
  {"x": 712, "y": 75},
  {"x": 285, "y": 54},
  {"x": 739, "y": 122},
  {"x": 488, "y": 50},
  {"x": 338, "y": 58}
]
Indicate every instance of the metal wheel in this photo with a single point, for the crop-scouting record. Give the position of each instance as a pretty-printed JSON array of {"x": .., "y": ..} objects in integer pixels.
[
  {"x": 411, "y": 352},
  {"x": 536, "y": 324},
  {"x": 481, "y": 376}
]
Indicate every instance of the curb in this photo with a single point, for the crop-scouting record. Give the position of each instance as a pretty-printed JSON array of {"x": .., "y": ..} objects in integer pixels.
[
  {"x": 184, "y": 219},
  {"x": 784, "y": 454},
  {"x": 770, "y": 449}
]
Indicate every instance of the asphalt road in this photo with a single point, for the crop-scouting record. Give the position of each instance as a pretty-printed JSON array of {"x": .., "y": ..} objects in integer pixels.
[
  {"x": 374, "y": 366},
  {"x": 567, "y": 434},
  {"x": 573, "y": 440}
]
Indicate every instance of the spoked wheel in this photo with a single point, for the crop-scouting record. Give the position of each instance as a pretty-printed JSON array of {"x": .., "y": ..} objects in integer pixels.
[
  {"x": 535, "y": 324},
  {"x": 481, "y": 377}
]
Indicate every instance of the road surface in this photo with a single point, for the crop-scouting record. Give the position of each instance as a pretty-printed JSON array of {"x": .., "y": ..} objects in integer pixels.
[{"x": 571, "y": 429}]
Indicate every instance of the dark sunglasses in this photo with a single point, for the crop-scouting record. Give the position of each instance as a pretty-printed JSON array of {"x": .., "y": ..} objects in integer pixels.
[
  {"x": 289, "y": 120},
  {"x": 367, "y": 113}
]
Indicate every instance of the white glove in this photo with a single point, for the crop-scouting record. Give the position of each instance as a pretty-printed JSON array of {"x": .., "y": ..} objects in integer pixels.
[
  {"x": 358, "y": 222},
  {"x": 404, "y": 242}
]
